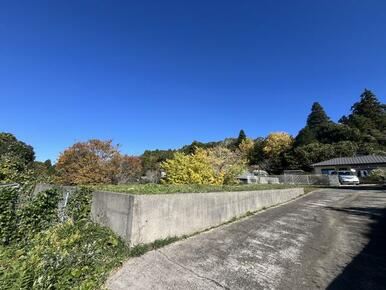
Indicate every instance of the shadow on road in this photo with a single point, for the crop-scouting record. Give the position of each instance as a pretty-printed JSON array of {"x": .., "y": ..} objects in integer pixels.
[
  {"x": 368, "y": 269},
  {"x": 361, "y": 187}
]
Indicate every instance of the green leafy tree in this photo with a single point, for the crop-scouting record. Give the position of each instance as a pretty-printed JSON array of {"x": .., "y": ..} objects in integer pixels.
[
  {"x": 9, "y": 145},
  {"x": 305, "y": 136},
  {"x": 191, "y": 149},
  {"x": 151, "y": 159},
  {"x": 332, "y": 133},
  {"x": 308, "y": 154},
  {"x": 257, "y": 152},
  {"x": 345, "y": 149}
]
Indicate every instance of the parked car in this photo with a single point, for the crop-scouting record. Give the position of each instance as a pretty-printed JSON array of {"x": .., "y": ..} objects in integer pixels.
[
  {"x": 347, "y": 177},
  {"x": 259, "y": 172}
]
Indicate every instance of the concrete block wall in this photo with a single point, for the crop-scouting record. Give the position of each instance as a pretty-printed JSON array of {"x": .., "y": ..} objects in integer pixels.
[{"x": 144, "y": 218}]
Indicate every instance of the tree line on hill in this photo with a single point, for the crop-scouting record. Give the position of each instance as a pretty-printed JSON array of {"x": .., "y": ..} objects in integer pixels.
[{"x": 362, "y": 132}]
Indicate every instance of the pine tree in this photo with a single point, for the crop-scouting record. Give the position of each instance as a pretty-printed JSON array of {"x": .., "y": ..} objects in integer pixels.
[
  {"x": 369, "y": 106},
  {"x": 369, "y": 117},
  {"x": 241, "y": 138},
  {"x": 316, "y": 120},
  {"x": 317, "y": 117}
]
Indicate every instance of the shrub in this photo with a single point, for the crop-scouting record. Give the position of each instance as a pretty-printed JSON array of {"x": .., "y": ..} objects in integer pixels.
[
  {"x": 79, "y": 204},
  {"x": 76, "y": 254},
  {"x": 67, "y": 256},
  {"x": 190, "y": 169},
  {"x": 377, "y": 175},
  {"x": 40, "y": 213},
  {"x": 8, "y": 218}
]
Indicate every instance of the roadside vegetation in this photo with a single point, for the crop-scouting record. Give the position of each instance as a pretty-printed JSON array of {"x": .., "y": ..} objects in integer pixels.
[
  {"x": 186, "y": 188},
  {"x": 38, "y": 250}
]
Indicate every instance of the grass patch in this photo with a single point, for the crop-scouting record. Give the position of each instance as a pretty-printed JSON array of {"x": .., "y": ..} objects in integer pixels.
[
  {"x": 166, "y": 188},
  {"x": 141, "y": 249}
]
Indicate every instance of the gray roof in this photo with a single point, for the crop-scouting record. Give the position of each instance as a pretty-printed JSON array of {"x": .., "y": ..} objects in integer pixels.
[{"x": 368, "y": 159}]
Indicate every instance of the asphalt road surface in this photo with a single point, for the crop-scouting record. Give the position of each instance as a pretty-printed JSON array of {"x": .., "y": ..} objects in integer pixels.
[{"x": 328, "y": 239}]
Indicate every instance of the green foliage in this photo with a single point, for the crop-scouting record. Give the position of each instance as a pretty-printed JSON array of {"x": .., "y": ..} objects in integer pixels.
[
  {"x": 376, "y": 176},
  {"x": 317, "y": 117},
  {"x": 241, "y": 138},
  {"x": 257, "y": 153},
  {"x": 305, "y": 136},
  {"x": 345, "y": 148},
  {"x": 40, "y": 213},
  {"x": 44, "y": 169},
  {"x": 8, "y": 218},
  {"x": 369, "y": 117},
  {"x": 141, "y": 249},
  {"x": 184, "y": 188},
  {"x": 13, "y": 169},
  {"x": 268, "y": 153},
  {"x": 362, "y": 132},
  {"x": 79, "y": 204},
  {"x": 151, "y": 159},
  {"x": 368, "y": 106},
  {"x": 191, "y": 149},
  {"x": 312, "y": 153},
  {"x": 68, "y": 255},
  {"x": 332, "y": 133},
  {"x": 9, "y": 145},
  {"x": 76, "y": 254}
]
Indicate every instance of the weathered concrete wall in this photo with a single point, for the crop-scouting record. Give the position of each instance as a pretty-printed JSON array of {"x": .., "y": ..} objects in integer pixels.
[
  {"x": 145, "y": 218},
  {"x": 114, "y": 210}
]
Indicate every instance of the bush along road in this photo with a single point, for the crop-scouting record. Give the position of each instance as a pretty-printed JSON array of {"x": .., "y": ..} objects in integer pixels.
[{"x": 328, "y": 239}]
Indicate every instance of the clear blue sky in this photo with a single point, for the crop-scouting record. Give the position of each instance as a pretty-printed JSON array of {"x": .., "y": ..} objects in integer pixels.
[{"x": 160, "y": 74}]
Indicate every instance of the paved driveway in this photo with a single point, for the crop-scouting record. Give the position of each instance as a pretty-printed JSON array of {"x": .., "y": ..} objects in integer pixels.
[{"x": 334, "y": 239}]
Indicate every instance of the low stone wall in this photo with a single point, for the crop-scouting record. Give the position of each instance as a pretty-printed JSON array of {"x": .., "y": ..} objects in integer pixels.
[{"x": 144, "y": 218}]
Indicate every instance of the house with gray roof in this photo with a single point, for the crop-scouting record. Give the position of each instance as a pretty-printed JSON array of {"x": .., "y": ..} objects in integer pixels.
[{"x": 363, "y": 165}]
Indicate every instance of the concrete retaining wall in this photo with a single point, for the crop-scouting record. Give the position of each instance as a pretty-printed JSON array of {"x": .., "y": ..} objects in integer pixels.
[{"x": 145, "y": 218}]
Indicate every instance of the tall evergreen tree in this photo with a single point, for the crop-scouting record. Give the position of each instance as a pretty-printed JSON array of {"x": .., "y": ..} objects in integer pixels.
[
  {"x": 304, "y": 137},
  {"x": 241, "y": 138},
  {"x": 317, "y": 117},
  {"x": 368, "y": 106},
  {"x": 316, "y": 120},
  {"x": 369, "y": 117}
]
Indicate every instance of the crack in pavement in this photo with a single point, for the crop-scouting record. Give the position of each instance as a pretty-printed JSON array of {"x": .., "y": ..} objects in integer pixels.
[{"x": 193, "y": 272}]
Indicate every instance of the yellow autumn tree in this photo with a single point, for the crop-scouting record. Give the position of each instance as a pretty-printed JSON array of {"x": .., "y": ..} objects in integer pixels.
[
  {"x": 277, "y": 143},
  {"x": 191, "y": 169},
  {"x": 246, "y": 147},
  {"x": 227, "y": 163}
]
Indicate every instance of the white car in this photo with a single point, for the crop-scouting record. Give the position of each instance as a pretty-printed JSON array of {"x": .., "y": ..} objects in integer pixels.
[{"x": 347, "y": 177}]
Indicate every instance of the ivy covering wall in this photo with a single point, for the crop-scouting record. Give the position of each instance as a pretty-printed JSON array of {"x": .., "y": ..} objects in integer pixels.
[{"x": 37, "y": 251}]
